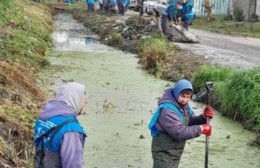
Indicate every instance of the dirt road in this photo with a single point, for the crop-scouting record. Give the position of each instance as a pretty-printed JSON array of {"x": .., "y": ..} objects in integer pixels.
[
  {"x": 224, "y": 49},
  {"x": 219, "y": 49}
]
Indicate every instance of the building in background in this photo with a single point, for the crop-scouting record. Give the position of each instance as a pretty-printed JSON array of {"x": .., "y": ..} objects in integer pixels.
[
  {"x": 225, "y": 7},
  {"x": 257, "y": 10}
]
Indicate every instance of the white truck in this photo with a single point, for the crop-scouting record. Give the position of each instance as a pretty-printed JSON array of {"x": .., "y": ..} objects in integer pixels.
[{"x": 150, "y": 5}]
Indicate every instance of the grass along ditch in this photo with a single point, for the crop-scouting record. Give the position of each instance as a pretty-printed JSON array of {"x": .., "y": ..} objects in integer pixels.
[
  {"x": 25, "y": 41},
  {"x": 236, "y": 95}
]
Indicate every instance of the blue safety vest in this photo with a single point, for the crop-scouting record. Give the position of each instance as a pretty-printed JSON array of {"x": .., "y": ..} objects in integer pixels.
[
  {"x": 48, "y": 134},
  {"x": 90, "y": 2},
  {"x": 112, "y": 2},
  {"x": 70, "y": 1},
  {"x": 189, "y": 15},
  {"x": 170, "y": 10},
  {"x": 170, "y": 106}
]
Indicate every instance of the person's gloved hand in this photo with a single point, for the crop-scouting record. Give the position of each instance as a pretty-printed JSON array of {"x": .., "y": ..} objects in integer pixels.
[
  {"x": 206, "y": 129},
  {"x": 208, "y": 112}
]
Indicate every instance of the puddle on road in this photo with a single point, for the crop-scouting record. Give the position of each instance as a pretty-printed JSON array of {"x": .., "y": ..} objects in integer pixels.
[{"x": 121, "y": 98}]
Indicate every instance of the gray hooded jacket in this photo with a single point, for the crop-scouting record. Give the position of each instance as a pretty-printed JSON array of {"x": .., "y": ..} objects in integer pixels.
[{"x": 67, "y": 102}]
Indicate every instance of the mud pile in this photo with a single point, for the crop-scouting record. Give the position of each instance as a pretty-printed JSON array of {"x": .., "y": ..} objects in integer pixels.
[{"x": 137, "y": 27}]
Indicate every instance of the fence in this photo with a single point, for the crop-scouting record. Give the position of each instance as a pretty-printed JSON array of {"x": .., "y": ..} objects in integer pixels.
[{"x": 220, "y": 7}]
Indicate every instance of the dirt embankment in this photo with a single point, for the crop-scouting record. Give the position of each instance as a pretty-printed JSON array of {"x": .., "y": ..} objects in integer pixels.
[
  {"x": 20, "y": 99},
  {"x": 25, "y": 33}
]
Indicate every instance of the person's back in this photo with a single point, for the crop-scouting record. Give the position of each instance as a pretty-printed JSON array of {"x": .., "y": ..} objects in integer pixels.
[{"x": 59, "y": 138}]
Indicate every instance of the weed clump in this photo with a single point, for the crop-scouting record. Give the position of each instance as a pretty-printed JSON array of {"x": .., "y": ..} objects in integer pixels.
[
  {"x": 114, "y": 39},
  {"x": 238, "y": 14},
  {"x": 155, "y": 52},
  {"x": 237, "y": 93}
]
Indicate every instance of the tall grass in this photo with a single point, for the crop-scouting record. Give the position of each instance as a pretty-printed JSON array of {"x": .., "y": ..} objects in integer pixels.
[
  {"x": 239, "y": 97},
  {"x": 210, "y": 73},
  {"x": 237, "y": 93},
  {"x": 155, "y": 52}
]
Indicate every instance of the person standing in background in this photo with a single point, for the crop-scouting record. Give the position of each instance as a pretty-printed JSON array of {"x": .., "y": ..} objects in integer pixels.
[{"x": 91, "y": 6}]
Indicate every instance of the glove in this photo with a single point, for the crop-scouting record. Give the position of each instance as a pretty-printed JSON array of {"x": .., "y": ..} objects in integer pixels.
[
  {"x": 206, "y": 129},
  {"x": 208, "y": 112}
]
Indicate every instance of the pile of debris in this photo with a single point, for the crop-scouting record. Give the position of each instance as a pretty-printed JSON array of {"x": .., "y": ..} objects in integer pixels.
[
  {"x": 137, "y": 27},
  {"x": 60, "y": 5}
]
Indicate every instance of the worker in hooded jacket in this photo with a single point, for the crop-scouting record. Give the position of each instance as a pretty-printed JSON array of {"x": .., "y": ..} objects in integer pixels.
[
  {"x": 173, "y": 123},
  {"x": 59, "y": 138}
]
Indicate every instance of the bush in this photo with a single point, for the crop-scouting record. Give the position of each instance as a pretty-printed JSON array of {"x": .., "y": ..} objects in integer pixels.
[
  {"x": 154, "y": 53},
  {"x": 240, "y": 97},
  {"x": 114, "y": 39},
  {"x": 238, "y": 14},
  {"x": 254, "y": 17},
  {"x": 237, "y": 93}
]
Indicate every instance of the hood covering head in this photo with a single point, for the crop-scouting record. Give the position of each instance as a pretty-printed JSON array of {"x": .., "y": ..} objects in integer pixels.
[
  {"x": 180, "y": 86},
  {"x": 72, "y": 95}
]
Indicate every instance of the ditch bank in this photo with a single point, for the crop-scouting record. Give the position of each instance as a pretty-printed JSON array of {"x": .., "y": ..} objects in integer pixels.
[{"x": 25, "y": 42}]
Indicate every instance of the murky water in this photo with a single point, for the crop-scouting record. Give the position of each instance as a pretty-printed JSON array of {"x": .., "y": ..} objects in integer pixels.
[{"x": 121, "y": 98}]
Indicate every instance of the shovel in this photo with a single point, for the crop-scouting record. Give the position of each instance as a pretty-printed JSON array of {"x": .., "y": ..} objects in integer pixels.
[{"x": 209, "y": 88}]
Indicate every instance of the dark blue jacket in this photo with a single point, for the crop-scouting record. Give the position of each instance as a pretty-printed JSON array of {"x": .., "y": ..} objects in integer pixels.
[
  {"x": 171, "y": 11},
  {"x": 187, "y": 11}
]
